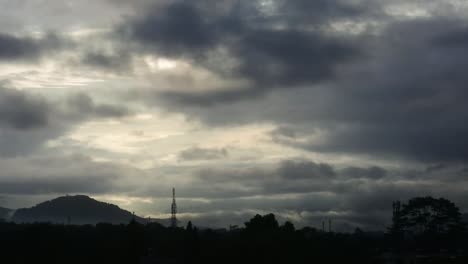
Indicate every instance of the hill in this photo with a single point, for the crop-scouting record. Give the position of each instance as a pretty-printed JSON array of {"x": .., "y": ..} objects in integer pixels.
[{"x": 79, "y": 209}]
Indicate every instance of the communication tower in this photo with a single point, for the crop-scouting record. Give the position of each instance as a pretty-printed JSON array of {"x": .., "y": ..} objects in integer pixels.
[{"x": 173, "y": 210}]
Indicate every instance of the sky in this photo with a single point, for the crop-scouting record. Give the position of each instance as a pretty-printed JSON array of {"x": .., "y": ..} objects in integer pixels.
[{"x": 311, "y": 110}]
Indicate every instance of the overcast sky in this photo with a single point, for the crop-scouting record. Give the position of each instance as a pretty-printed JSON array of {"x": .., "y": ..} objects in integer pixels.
[{"x": 310, "y": 109}]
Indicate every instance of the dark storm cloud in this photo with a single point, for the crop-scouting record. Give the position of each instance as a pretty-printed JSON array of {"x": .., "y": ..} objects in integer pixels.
[
  {"x": 24, "y": 111},
  {"x": 403, "y": 99},
  {"x": 17, "y": 48},
  {"x": 305, "y": 169},
  {"x": 25, "y": 48},
  {"x": 267, "y": 57},
  {"x": 399, "y": 93},
  {"x": 197, "y": 153},
  {"x": 28, "y": 120},
  {"x": 21, "y": 111},
  {"x": 275, "y": 58},
  {"x": 178, "y": 28},
  {"x": 409, "y": 100}
]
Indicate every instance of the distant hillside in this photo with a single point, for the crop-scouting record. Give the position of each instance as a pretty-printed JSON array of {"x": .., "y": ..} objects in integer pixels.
[
  {"x": 78, "y": 209},
  {"x": 5, "y": 213}
]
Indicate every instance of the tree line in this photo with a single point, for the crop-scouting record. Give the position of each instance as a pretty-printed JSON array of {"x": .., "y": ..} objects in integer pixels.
[{"x": 423, "y": 228}]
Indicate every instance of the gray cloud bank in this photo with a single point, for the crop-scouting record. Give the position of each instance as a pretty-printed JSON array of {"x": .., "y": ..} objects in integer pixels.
[
  {"x": 397, "y": 91},
  {"x": 300, "y": 190},
  {"x": 394, "y": 90},
  {"x": 267, "y": 57},
  {"x": 308, "y": 192},
  {"x": 197, "y": 153},
  {"x": 28, "y": 120},
  {"x": 28, "y": 48}
]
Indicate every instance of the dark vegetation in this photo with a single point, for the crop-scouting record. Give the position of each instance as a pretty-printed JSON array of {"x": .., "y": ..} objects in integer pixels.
[
  {"x": 4, "y": 213},
  {"x": 424, "y": 230}
]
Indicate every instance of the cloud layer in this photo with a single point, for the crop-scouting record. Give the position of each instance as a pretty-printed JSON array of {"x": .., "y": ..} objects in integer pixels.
[{"x": 308, "y": 109}]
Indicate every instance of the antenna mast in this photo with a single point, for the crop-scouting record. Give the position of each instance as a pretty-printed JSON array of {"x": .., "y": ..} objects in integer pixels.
[{"x": 173, "y": 210}]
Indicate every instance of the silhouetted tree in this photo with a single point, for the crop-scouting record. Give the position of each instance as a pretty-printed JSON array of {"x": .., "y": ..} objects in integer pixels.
[
  {"x": 288, "y": 227},
  {"x": 189, "y": 227},
  {"x": 154, "y": 243},
  {"x": 396, "y": 230},
  {"x": 358, "y": 231},
  {"x": 262, "y": 224},
  {"x": 427, "y": 215}
]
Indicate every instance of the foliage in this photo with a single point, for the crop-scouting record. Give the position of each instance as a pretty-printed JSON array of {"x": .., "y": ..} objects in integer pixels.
[
  {"x": 262, "y": 224},
  {"x": 262, "y": 240},
  {"x": 426, "y": 215}
]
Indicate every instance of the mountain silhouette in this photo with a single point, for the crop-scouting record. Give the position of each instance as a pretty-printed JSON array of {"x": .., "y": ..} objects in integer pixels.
[{"x": 79, "y": 209}]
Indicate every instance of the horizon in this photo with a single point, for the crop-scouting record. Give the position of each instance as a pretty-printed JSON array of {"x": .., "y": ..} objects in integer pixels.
[
  {"x": 311, "y": 110},
  {"x": 182, "y": 222}
]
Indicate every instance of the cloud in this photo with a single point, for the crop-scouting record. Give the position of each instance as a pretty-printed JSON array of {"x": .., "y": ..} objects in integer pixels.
[
  {"x": 278, "y": 58},
  {"x": 306, "y": 169},
  {"x": 60, "y": 175},
  {"x": 27, "y": 48},
  {"x": 307, "y": 192},
  {"x": 180, "y": 28},
  {"x": 14, "y": 48},
  {"x": 119, "y": 61},
  {"x": 373, "y": 172},
  {"x": 305, "y": 12},
  {"x": 291, "y": 176},
  {"x": 268, "y": 58},
  {"x": 349, "y": 200},
  {"x": 28, "y": 120},
  {"x": 82, "y": 106},
  {"x": 402, "y": 99},
  {"x": 21, "y": 111},
  {"x": 408, "y": 106},
  {"x": 351, "y": 81},
  {"x": 197, "y": 153}
]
